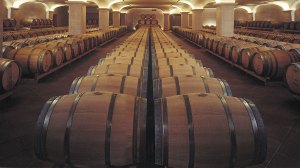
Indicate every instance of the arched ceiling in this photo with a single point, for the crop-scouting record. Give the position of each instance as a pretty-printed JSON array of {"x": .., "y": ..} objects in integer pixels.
[{"x": 164, "y": 5}]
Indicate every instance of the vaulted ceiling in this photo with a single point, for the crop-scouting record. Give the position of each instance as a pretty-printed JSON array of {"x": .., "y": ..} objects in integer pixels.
[{"x": 164, "y": 5}]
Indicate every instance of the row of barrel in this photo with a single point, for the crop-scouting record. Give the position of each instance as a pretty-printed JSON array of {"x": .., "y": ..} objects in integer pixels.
[
  {"x": 277, "y": 36},
  {"x": 148, "y": 22},
  {"x": 193, "y": 123},
  {"x": 9, "y": 24},
  {"x": 266, "y": 58},
  {"x": 36, "y": 23},
  {"x": 109, "y": 128},
  {"x": 108, "y": 110},
  {"x": 37, "y": 57},
  {"x": 21, "y": 34},
  {"x": 254, "y": 24},
  {"x": 293, "y": 25},
  {"x": 20, "y": 43},
  {"x": 271, "y": 35},
  {"x": 261, "y": 37}
]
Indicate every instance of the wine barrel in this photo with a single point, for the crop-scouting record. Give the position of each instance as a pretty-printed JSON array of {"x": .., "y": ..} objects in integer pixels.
[
  {"x": 6, "y": 49},
  {"x": 181, "y": 70},
  {"x": 247, "y": 55},
  {"x": 32, "y": 60},
  {"x": 177, "y": 60},
  {"x": 74, "y": 45},
  {"x": 121, "y": 69},
  {"x": 109, "y": 83},
  {"x": 18, "y": 44},
  {"x": 297, "y": 26},
  {"x": 121, "y": 60},
  {"x": 171, "y": 86},
  {"x": 173, "y": 54},
  {"x": 292, "y": 79},
  {"x": 292, "y": 26},
  {"x": 56, "y": 51},
  {"x": 10, "y": 75},
  {"x": 148, "y": 16},
  {"x": 110, "y": 133},
  {"x": 235, "y": 52},
  {"x": 287, "y": 46},
  {"x": 7, "y": 23},
  {"x": 272, "y": 63},
  {"x": 208, "y": 130}
]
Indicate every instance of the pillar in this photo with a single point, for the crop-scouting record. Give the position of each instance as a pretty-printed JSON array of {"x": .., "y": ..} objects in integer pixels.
[
  {"x": 103, "y": 18},
  {"x": 225, "y": 19},
  {"x": 197, "y": 19},
  {"x": 253, "y": 16},
  {"x": 184, "y": 19},
  {"x": 293, "y": 18},
  {"x": 1, "y": 26},
  {"x": 190, "y": 19},
  {"x": 77, "y": 17},
  {"x": 49, "y": 14},
  {"x": 11, "y": 13},
  {"x": 123, "y": 19},
  {"x": 166, "y": 21},
  {"x": 116, "y": 19},
  {"x": 291, "y": 14}
]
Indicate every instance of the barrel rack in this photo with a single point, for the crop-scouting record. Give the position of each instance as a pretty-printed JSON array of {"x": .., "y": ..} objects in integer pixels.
[
  {"x": 39, "y": 76},
  {"x": 6, "y": 95},
  {"x": 266, "y": 81}
]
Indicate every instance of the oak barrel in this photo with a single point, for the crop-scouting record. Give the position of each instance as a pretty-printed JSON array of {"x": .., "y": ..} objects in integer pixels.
[
  {"x": 121, "y": 69},
  {"x": 181, "y": 70},
  {"x": 32, "y": 60},
  {"x": 109, "y": 83},
  {"x": 292, "y": 78},
  {"x": 247, "y": 55},
  {"x": 10, "y": 75},
  {"x": 189, "y": 84},
  {"x": 6, "y": 49},
  {"x": 121, "y": 60},
  {"x": 92, "y": 129},
  {"x": 56, "y": 51},
  {"x": 208, "y": 130},
  {"x": 177, "y": 60},
  {"x": 272, "y": 63}
]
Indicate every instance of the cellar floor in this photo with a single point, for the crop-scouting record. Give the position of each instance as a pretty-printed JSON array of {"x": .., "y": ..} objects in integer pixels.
[{"x": 18, "y": 114}]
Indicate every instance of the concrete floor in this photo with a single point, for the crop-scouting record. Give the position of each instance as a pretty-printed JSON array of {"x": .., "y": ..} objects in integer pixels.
[{"x": 18, "y": 115}]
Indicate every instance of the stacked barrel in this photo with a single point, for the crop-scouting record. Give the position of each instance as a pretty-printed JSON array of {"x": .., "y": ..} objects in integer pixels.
[
  {"x": 37, "y": 23},
  {"x": 9, "y": 24},
  {"x": 197, "y": 122},
  {"x": 10, "y": 75},
  {"x": 148, "y": 19},
  {"x": 101, "y": 123},
  {"x": 21, "y": 34},
  {"x": 40, "y": 55},
  {"x": 292, "y": 79},
  {"x": 267, "y": 58}
]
